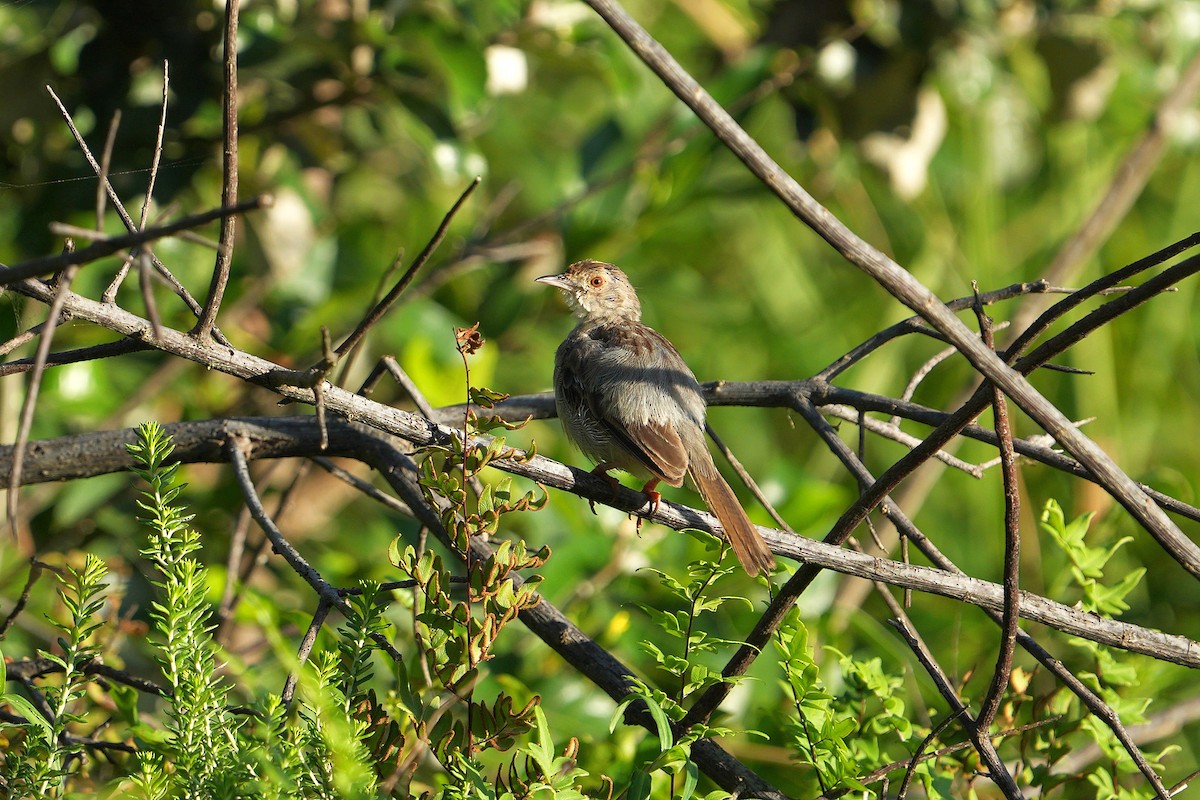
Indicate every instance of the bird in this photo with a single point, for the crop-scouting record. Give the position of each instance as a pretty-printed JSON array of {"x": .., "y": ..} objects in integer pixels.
[{"x": 627, "y": 399}]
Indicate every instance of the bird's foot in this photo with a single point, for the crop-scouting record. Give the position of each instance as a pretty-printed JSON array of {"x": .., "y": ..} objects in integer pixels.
[{"x": 653, "y": 497}]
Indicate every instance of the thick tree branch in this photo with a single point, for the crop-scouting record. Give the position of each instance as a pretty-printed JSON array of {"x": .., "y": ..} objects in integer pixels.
[{"x": 294, "y": 437}]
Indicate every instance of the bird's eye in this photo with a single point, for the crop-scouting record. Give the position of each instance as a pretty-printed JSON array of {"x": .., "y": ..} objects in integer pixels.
[{"x": 597, "y": 281}]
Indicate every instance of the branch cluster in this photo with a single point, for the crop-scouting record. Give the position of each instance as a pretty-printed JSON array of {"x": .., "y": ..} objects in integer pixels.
[{"x": 348, "y": 424}]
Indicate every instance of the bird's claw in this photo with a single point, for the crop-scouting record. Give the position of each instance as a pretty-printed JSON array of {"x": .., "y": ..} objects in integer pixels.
[{"x": 652, "y": 497}]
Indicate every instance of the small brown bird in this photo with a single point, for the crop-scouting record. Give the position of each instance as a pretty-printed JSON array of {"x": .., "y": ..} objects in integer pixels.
[{"x": 628, "y": 401}]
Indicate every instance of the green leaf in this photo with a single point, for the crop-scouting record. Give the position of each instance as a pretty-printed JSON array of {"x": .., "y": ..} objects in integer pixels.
[
  {"x": 27, "y": 710},
  {"x": 639, "y": 785},
  {"x": 661, "y": 723},
  {"x": 691, "y": 778}
]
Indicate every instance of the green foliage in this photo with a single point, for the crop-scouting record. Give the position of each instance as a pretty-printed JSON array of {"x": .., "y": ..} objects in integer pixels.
[
  {"x": 42, "y": 766},
  {"x": 204, "y": 749},
  {"x": 685, "y": 627},
  {"x": 455, "y": 637},
  {"x": 673, "y": 756},
  {"x": 364, "y": 621},
  {"x": 341, "y": 737},
  {"x": 203, "y": 741},
  {"x": 1113, "y": 675},
  {"x": 824, "y": 733},
  {"x": 1087, "y": 563}
]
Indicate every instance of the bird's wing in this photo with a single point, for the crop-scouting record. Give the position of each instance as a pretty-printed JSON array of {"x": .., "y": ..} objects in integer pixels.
[
  {"x": 656, "y": 445},
  {"x": 637, "y": 396}
]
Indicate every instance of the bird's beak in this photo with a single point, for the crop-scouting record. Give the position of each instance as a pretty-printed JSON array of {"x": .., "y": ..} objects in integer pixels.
[{"x": 557, "y": 281}]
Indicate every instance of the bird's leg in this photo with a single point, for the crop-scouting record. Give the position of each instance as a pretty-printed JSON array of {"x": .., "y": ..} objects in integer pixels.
[
  {"x": 601, "y": 471},
  {"x": 654, "y": 497}
]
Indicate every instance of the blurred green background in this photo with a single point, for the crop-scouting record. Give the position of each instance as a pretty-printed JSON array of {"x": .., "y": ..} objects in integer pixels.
[{"x": 966, "y": 140}]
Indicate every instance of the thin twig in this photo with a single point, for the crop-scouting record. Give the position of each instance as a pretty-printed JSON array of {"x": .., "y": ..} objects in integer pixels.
[
  {"x": 105, "y": 163},
  {"x": 890, "y": 430},
  {"x": 880, "y": 773},
  {"x": 361, "y": 485},
  {"x": 179, "y": 289},
  {"x": 239, "y": 577},
  {"x": 22, "y": 536},
  {"x": 91, "y": 353},
  {"x": 381, "y": 308},
  {"x": 24, "y": 337},
  {"x": 147, "y": 290},
  {"x": 919, "y": 754},
  {"x": 409, "y": 386},
  {"x": 1127, "y": 184},
  {"x": 1169, "y": 721},
  {"x": 347, "y": 362},
  {"x": 110, "y": 293},
  {"x": 747, "y": 479},
  {"x": 35, "y": 572},
  {"x": 32, "y": 668},
  {"x": 1012, "y": 548},
  {"x": 233, "y": 567},
  {"x": 283, "y": 547},
  {"x": 916, "y": 324},
  {"x": 306, "y": 646},
  {"x": 48, "y": 265},
  {"x": 229, "y": 177},
  {"x": 983, "y": 744}
]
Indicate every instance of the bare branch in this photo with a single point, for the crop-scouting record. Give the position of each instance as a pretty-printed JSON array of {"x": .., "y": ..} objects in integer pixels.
[
  {"x": 229, "y": 176},
  {"x": 24, "y": 540},
  {"x": 381, "y": 308},
  {"x": 286, "y": 437},
  {"x": 48, "y": 265},
  {"x": 1012, "y": 548}
]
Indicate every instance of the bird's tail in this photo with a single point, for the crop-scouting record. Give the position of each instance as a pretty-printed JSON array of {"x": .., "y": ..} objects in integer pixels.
[{"x": 748, "y": 545}]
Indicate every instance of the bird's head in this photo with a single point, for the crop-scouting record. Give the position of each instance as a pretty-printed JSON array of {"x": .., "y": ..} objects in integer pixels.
[{"x": 596, "y": 290}]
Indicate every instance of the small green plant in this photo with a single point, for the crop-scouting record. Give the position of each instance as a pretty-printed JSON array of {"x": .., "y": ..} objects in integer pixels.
[
  {"x": 674, "y": 749},
  {"x": 1087, "y": 562},
  {"x": 683, "y": 624},
  {"x": 42, "y": 767},
  {"x": 353, "y": 730},
  {"x": 209, "y": 750},
  {"x": 456, "y": 630},
  {"x": 20, "y": 764},
  {"x": 820, "y": 730},
  {"x": 681, "y": 655},
  {"x": 203, "y": 741},
  {"x": 1113, "y": 676}
]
